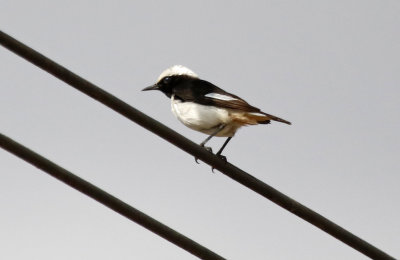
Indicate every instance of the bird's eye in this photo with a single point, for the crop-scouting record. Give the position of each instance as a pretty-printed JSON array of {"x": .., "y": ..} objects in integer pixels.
[{"x": 167, "y": 80}]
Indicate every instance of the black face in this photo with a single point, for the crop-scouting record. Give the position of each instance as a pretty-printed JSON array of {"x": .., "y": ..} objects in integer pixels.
[{"x": 168, "y": 84}]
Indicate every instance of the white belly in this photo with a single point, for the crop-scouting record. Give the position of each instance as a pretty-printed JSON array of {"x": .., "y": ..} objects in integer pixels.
[{"x": 205, "y": 119}]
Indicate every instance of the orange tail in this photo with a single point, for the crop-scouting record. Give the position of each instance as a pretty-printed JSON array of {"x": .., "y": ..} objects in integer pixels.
[
  {"x": 256, "y": 118},
  {"x": 275, "y": 118}
]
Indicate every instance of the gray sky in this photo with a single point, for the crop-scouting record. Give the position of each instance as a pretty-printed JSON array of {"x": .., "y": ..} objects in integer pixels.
[{"x": 329, "y": 67}]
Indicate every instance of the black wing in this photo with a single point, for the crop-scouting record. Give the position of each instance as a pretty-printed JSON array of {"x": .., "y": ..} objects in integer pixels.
[{"x": 203, "y": 92}]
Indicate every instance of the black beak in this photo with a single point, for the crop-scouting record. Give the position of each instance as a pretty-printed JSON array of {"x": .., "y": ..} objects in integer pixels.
[{"x": 152, "y": 87}]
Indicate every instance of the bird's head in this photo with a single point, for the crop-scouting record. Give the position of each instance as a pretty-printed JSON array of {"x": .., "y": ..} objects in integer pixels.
[{"x": 170, "y": 78}]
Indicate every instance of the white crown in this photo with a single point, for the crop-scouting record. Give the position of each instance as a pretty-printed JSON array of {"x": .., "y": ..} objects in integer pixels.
[{"x": 177, "y": 70}]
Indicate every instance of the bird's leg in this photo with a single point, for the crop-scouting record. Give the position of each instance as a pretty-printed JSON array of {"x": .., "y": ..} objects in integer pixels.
[
  {"x": 219, "y": 129},
  {"x": 220, "y": 151},
  {"x": 222, "y": 148}
]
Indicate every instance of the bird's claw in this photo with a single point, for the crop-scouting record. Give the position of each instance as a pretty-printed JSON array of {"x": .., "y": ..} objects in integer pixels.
[
  {"x": 209, "y": 149},
  {"x": 222, "y": 157}
]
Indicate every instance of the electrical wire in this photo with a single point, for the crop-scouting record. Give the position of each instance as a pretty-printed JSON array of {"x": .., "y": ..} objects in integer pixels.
[
  {"x": 106, "y": 199},
  {"x": 192, "y": 148}
]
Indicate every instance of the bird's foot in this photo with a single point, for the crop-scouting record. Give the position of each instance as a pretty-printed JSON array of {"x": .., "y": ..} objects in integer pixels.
[
  {"x": 205, "y": 147},
  {"x": 222, "y": 157},
  {"x": 208, "y": 148}
]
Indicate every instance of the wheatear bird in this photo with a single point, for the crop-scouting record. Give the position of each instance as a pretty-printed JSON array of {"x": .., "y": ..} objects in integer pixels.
[{"x": 204, "y": 107}]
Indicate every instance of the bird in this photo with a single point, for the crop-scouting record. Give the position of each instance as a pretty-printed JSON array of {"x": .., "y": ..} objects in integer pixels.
[{"x": 204, "y": 107}]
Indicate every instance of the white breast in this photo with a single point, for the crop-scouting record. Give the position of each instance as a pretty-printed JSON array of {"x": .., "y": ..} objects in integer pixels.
[{"x": 199, "y": 117}]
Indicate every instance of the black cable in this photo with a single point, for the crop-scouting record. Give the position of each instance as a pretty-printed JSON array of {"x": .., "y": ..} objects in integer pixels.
[
  {"x": 191, "y": 147},
  {"x": 106, "y": 199}
]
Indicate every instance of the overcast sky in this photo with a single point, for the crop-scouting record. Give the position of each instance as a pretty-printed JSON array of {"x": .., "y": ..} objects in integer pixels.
[{"x": 329, "y": 67}]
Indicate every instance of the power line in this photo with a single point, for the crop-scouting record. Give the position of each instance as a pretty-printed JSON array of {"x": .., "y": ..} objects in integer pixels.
[
  {"x": 190, "y": 147},
  {"x": 106, "y": 199}
]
